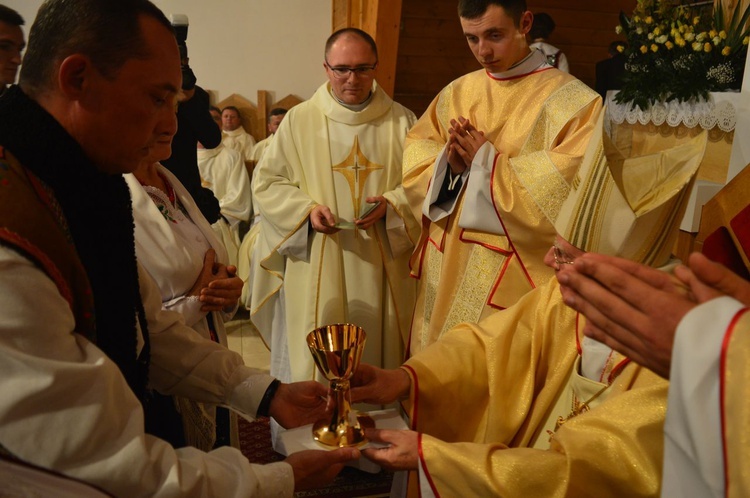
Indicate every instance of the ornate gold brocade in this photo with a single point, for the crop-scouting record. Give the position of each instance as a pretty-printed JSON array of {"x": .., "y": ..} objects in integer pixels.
[
  {"x": 481, "y": 273},
  {"x": 541, "y": 178},
  {"x": 570, "y": 99},
  {"x": 468, "y": 278}
]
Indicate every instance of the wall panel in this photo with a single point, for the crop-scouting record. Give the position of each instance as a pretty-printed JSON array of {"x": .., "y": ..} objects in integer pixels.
[{"x": 432, "y": 50}]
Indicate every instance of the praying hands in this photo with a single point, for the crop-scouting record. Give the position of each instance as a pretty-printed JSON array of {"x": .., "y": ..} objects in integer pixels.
[
  {"x": 463, "y": 143},
  {"x": 636, "y": 310}
]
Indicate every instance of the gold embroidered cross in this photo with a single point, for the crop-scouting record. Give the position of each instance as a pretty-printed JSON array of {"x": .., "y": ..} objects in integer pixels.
[{"x": 356, "y": 168}]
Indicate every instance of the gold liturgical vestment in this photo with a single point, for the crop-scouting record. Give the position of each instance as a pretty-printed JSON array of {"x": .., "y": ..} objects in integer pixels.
[
  {"x": 539, "y": 120},
  {"x": 485, "y": 396},
  {"x": 324, "y": 153}
]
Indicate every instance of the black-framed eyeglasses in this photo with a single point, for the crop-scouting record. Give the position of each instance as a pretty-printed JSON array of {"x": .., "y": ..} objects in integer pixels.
[{"x": 343, "y": 72}]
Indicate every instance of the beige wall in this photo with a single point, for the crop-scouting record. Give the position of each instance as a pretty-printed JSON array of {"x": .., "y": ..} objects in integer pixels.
[{"x": 240, "y": 46}]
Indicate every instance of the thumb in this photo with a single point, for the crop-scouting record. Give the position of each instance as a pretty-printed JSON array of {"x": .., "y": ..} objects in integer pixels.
[
  {"x": 209, "y": 258},
  {"x": 377, "y": 435},
  {"x": 342, "y": 455}
]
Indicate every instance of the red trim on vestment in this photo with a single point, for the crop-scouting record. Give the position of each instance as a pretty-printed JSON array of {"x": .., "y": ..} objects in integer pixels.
[
  {"x": 424, "y": 469},
  {"x": 497, "y": 283},
  {"x": 441, "y": 246},
  {"x": 617, "y": 369},
  {"x": 722, "y": 391},
  {"x": 487, "y": 246},
  {"x": 519, "y": 76},
  {"x": 422, "y": 248},
  {"x": 510, "y": 241},
  {"x": 416, "y": 397}
]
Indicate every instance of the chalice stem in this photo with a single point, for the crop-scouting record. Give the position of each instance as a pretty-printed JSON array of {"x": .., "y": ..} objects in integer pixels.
[{"x": 343, "y": 406}]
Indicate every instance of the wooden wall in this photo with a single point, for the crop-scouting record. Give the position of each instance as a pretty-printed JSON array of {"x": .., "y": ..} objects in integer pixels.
[{"x": 432, "y": 50}]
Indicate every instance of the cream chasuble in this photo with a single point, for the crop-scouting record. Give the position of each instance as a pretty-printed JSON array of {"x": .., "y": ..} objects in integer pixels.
[
  {"x": 239, "y": 140},
  {"x": 259, "y": 149},
  {"x": 324, "y": 153},
  {"x": 539, "y": 121},
  {"x": 485, "y": 395},
  {"x": 223, "y": 171}
]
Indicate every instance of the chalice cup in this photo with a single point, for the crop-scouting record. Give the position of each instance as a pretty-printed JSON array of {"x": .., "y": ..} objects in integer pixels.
[{"x": 337, "y": 350}]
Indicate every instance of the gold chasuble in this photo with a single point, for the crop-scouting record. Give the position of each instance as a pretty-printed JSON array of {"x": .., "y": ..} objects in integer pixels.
[
  {"x": 539, "y": 120},
  {"x": 521, "y": 404},
  {"x": 325, "y": 153},
  {"x": 735, "y": 406},
  {"x": 500, "y": 388}
]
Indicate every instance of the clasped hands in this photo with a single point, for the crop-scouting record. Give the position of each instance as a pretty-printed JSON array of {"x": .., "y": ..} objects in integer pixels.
[
  {"x": 464, "y": 140},
  {"x": 218, "y": 287},
  {"x": 636, "y": 309}
]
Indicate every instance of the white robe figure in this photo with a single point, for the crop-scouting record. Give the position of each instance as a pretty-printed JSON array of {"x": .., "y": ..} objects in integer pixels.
[
  {"x": 325, "y": 153},
  {"x": 239, "y": 140},
  {"x": 223, "y": 171},
  {"x": 171, "y": 246}
]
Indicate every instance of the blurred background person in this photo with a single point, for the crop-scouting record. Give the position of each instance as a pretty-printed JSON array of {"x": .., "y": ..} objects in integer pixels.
[
  {"x": 610, "y": 70},
  {"x": 11, "y": 45},
  {"x": 194, "y": 124},
  {"x": 541, "y": 28}
]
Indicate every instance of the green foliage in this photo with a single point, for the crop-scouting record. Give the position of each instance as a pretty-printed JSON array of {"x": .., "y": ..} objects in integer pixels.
[{"x": 679, "y": 50}]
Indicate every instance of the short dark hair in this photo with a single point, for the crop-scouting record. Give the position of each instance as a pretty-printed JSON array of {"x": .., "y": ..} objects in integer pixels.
[
  {"x": 108, "y": 32},
  {"x": 472, "y": 9},
  {"x": 542, "y": 26},
  {"x": 351, "y": 31},
  {"x": 214, "y": 108},
  {"x": 10, "y": 16},
  {"x": 232, "y": 108},
  {"x": 276, "y": 111}
]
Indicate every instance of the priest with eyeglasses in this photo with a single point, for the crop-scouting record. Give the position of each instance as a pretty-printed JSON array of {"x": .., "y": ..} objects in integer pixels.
[{"x": 336, "y": 232}]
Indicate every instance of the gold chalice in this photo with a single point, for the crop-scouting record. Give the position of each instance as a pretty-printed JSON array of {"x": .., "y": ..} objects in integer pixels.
[{"x": 337, "y": 350}]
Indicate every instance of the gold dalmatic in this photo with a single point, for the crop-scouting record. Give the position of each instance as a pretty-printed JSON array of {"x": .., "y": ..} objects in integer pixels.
[{"x": 356, "y": 168}]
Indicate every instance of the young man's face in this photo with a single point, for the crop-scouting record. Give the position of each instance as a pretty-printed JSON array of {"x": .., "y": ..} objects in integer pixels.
[
  {"x": 230, "y": 120},
  {"x": 495, "y": 40},
  {"x": 120, "y": 119},
  {"x": 11, "y": 46}
]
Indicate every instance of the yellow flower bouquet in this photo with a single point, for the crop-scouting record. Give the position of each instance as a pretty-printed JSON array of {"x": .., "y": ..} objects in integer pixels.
[{"x": 681, "y": 50}]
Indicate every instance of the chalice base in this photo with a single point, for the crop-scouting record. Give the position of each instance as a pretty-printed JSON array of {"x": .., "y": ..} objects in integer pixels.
[{"x": 343, "y": 434}]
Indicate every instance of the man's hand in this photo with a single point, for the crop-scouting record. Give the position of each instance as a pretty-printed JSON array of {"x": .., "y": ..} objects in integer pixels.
[
  {"x": 402, "y": 454},
  {"x": 630, "y": 307},
  {"x": 224, "y": 291},
  {"x": 299, "y": 403},
  {"x": 463, "y": 143},
  {"x": 378, "y": 386},
  {"x": 708, "y": 280},
  {"x": 322, "y": 220},
  {"x": 314, "y": 468},
  {"x": 375, "y": 214}
]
